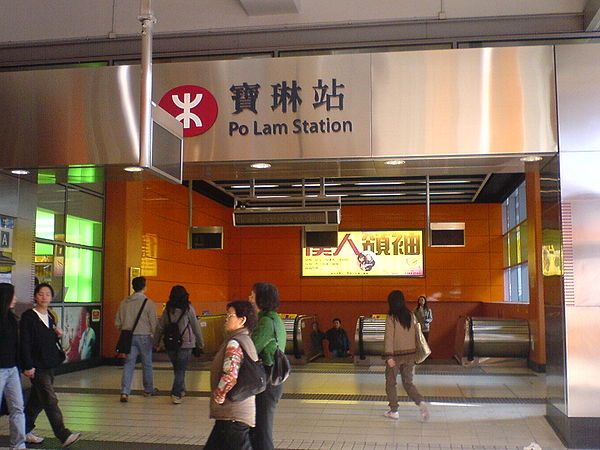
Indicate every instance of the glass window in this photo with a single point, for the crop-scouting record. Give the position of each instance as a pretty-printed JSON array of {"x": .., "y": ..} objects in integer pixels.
[
  {"x": 83, "y": 275},
  {"x": 50, "y": 216},
  {"x": 84, "y": 219},
  {"x": 49, "y": 264}
]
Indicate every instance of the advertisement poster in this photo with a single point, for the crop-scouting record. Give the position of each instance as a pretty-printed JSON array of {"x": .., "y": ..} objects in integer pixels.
[
  {"x": 396, "y": 253},
  {"x": 81, "y": 333}
]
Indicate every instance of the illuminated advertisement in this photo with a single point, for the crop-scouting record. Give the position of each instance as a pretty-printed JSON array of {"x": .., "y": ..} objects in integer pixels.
[{"x": 397, "y": 253}]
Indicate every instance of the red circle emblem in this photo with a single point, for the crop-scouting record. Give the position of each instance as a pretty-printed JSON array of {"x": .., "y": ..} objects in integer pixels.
[{"x": 195, "y": 107}]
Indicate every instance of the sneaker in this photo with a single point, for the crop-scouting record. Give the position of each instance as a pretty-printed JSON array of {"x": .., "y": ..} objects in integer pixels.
[
  {"x": 176, "y": 400},
  {"x": 151, "y": 394},
  {"x": 31, "y": 438},
  {"x": 423, "y": 412},
  {"x": 182, "y": 394},
  {"x": 392, "y": 415},
  {"x": 124, "y": 398},
  {"x": 73, "y": 437}
]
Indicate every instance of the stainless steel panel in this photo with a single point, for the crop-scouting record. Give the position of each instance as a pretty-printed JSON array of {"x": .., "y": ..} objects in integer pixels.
[
  {"x": 580, "y": 193},
  {"x": 464, "y": 102},
  {"x": 70, "y": 117},
  {"x": 221, "y": 144},
  {"x": 500, "y": 338},
  {"x": 578, "y": 91}
]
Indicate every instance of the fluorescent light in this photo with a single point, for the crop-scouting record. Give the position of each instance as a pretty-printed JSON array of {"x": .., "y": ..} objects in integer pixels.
[
  {"x": 447, "y": 181},
  {"x": 394, "y": 162},
  {"x": 133, "y": 169},
  {"x": 260, "y": 166},
  {"x": 378, "y": 183},
  {"x": 316, "y": 185},
  {"x": 328, "y": 195},
  {"x": 19, "y": 172},
  {"x": 382, "y": 194},
  {"x": 256, "y": 186},
  {"x": 272, "y": 196},
  {"x": 444, "y": 193},
  {"x": 531, "y": 158}
]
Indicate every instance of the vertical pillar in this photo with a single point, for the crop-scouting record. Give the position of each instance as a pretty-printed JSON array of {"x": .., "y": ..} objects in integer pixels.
[
  {"x": 537, "y": 358},
  {"x": 122, "y": 250}
]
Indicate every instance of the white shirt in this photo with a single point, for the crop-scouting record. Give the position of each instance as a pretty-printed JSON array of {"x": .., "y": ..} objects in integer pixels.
[{"x": 44, "y": 317}]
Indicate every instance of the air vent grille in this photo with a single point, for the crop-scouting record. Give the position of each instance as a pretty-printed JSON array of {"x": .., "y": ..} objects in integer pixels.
[{"x": 256, "y": 217}]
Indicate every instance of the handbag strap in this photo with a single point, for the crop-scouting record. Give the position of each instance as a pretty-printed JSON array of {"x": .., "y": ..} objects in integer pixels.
[{"x": 137, "y": 319}]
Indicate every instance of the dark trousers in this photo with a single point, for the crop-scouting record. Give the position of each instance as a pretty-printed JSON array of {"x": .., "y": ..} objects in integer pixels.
[
  {"x": 180, "y": 359},
  {"x": 42, "y": 396},
  {"x": 406, "y": 373},
  {"x": 426, "y": 334},
  {"x": 229, "y": 435},
  {"x": 266, "y": 402}
]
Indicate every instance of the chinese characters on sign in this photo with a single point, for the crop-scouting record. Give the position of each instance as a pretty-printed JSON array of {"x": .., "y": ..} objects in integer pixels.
[
  {"x": 286, "y": 96},
  {"x": 368, "y": 253}
]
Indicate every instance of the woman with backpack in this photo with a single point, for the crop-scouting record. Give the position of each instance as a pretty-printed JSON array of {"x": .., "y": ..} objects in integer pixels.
[
  {"x": 180, "y": 333},
  {"x": 268, "y": 336},
  {"x": 10, "y": 381}
]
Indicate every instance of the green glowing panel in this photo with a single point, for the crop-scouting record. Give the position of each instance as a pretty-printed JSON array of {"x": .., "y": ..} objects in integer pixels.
[
  {"x": 84, "y": 231},
  {"x": 44, "y": 249},
  {"x": 44, "y": 223},
  {"x": 83, "y": 275}
]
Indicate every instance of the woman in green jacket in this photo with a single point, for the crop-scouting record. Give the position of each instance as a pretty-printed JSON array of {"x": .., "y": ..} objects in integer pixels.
[{"x": 268, "y": 335}]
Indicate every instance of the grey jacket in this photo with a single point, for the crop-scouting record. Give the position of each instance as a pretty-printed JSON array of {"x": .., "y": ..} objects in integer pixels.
[
  {"x": 128, "y": 311},
  {"x": 188, "y": 325},
  {"x": 424, "y": 316}
]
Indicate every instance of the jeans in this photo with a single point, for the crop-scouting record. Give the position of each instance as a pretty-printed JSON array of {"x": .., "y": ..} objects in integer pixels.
[
  {"x": 406, "y": 373},
  {"x": 140, "y": 345},
  {"x": 180, "y": 359},
  {"x": 339, "y": 353},
  {"x": 10, "y": 385},
  {"x": 266, "y": 402},
  {"x": 43, "y": 397},
  {"x": 229, "y": 435}
]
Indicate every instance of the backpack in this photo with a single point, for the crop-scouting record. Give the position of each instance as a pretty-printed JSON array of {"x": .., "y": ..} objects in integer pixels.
[{"x": 172, "y": 338}]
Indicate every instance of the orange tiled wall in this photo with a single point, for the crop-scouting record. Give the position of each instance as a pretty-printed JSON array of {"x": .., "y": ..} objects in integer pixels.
[
  {"x": 471, "y": 274},
  {"x": 206, "y": 274}
]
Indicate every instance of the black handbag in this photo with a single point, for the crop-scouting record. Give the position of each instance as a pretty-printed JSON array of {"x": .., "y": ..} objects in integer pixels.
[
  {"x": 126, "y": 336},
  {"x": 251, "y": 380},
  {"x": 281, "y": 368}
]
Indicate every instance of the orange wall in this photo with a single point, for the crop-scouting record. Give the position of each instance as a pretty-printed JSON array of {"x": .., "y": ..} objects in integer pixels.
[
  {"x": 470, "y": 273},
  {"x": 460, "y": 278}
]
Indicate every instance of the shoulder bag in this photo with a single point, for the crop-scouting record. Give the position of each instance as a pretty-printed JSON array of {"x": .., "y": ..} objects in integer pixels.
[
  {"x": 281, "y": 368},
  {"x": 423, "y": 350},
  {"x": 251, "y": 380},
  {"x": 126, "y": 336}
]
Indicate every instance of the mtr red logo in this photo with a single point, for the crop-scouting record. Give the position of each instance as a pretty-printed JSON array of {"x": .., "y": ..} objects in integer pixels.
[{"x": 193, "y": 106}]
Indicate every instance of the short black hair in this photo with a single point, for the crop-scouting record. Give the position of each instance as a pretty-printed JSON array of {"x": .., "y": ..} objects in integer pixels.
[
  {"x": 244, "y": 308},
  {"x": 138, "y": 283},
  {"x": 267, "y": 296},
  {"x": 39, "y": 287},
  {"x": 339, "y": 320}
]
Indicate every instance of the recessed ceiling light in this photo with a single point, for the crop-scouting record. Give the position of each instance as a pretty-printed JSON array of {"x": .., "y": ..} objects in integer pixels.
[
  {"x": 394, "y": 162},
  {"x": 19, "y": 172},
  {"x": 133, "y": 169},
  {"x": 531, "y": 158},
  {"x": 260, "y": 166},
  {"x": 257, "y": 186}
]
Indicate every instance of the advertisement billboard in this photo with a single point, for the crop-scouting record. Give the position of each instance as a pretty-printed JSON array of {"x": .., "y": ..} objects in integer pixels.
[{"x": 383, "y": 253}]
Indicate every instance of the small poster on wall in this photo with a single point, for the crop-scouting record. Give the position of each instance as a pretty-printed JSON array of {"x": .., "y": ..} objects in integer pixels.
[
  {"x": 383, "y": 253},
  {"x": 81, "y": 334}
]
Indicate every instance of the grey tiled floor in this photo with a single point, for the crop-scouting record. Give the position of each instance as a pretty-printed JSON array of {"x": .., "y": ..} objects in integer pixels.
[{"x": 460, "y": 421}]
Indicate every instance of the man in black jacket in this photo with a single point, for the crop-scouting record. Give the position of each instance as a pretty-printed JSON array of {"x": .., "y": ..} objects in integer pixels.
[{"x": 339, "y": 345}]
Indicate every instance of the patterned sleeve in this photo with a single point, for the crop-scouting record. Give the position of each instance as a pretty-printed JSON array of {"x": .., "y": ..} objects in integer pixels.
[{"x": 231, "y": 366}]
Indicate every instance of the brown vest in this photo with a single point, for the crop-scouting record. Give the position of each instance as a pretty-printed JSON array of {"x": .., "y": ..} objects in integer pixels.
[{"x": 245, "y": 410}]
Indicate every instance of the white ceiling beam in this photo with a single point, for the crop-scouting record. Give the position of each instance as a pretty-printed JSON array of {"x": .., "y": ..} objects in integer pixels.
[
  {"x": 270, "y": 7},
  {"x": 591, "y": 15}
]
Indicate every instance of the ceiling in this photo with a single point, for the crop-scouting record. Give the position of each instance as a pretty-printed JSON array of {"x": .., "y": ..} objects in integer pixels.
[{"x": 365, "y": 182}]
